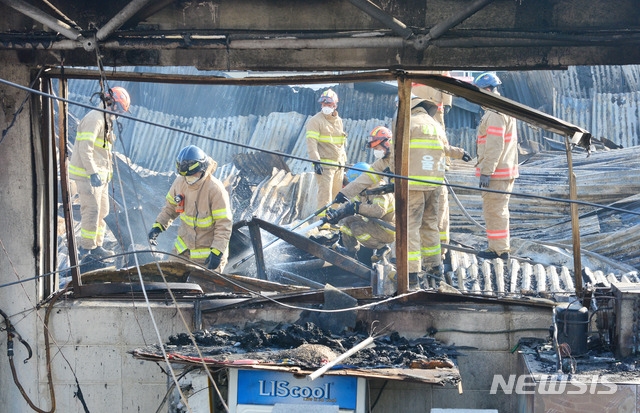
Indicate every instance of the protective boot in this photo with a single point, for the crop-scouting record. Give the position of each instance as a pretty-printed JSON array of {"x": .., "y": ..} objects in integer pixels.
[
  {"x": 433, "y": 277},
  {"x": 414, "y": 283},
  {"x": 381, "y": 254},
  {"x": 99, "y": 252},
  {"x": 343, "y": 251}
]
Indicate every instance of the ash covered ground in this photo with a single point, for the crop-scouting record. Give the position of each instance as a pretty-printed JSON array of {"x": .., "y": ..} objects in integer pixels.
[
  {"x": 309, "y": 346},
  {"x": 599, "y": 362}
]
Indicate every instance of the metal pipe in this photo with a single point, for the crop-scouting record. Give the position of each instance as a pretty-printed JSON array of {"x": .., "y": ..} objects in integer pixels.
[
  {"x": 440, "y": 28},
  {"x": 368, "y": 341},
  {"x": 575, "y": 225},
  {"x": 50, "y": 43},
  {"x": 383, "y": 17},
  {"x": 121, "y": 18},
  {"x": 41, "y": 17}
]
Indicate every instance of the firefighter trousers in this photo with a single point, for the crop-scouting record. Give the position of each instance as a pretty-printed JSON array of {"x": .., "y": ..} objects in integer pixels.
[
  {"x": 443, "y": 214},
  {"x": 495, "y": 209},
  {"x": 359, "y": 230},
  {"x": 329, "y": 184},
  {"x": 424, "y": 237},
  {"x": 94, "y": 207}
]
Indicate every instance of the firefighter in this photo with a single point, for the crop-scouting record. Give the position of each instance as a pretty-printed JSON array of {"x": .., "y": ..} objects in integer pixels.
[
  {"x": 367, "y": 220},
  {"x": 379, "y": 141},
  {"x": 443, "y": 103},
  {"x": 91, "y": 167},
  {"x": 497, "y": 167},
  {"x": 326, "y": 142},
  {"x": 439, "y": 98},
  {"x": 427, "y": 152},
  {"x": 202, "y": 203}
]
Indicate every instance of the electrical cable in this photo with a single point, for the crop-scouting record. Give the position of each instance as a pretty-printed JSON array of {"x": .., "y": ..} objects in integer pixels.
[
  {"x": 137, "y": 265},
  {"x": 277, "y": 153},
  {"x": 513, "y": 330},
  {"x": 260, "y": 294}
]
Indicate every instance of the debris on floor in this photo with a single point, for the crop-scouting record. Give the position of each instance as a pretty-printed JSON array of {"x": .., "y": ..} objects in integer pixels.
[{"x": 307, "y": 347}]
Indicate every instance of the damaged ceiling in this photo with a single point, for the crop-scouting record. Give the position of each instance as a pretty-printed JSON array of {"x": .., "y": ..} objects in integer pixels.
[{"x": 321, "y": 35}]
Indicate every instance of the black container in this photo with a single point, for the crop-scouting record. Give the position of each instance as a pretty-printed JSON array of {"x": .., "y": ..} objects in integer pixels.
[{"x": 573, "y": 327}]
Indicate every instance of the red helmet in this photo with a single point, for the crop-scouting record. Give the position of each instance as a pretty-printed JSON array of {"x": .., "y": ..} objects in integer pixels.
[
  {"x": 379, "y": 136},
  {"x": 329, "y": 96},
  {"x": 121, "y": 97}
]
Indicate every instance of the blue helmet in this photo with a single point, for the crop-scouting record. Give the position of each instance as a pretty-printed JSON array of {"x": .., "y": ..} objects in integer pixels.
[
  {"x": 487, "y": 79},
  {"x": 191, "y": 160},
  {"x": 353, "y": 174}
]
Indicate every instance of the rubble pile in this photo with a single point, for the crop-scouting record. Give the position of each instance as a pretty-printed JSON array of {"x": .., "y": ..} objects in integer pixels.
[{"x": 309, "y": 346}]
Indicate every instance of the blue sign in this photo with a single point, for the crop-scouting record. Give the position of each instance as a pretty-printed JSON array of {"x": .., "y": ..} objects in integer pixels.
[{"x": 270, "y": 387}]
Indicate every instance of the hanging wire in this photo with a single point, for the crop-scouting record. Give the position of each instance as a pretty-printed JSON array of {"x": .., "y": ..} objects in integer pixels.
[
  {"x": 277, "y": 153},
  {"x": 106, "y": 102}
]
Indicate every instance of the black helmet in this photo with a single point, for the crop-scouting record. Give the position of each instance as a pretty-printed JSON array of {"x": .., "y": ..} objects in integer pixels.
[
  {"x": 486, "y": 80},
  {"x": 191, "y": 160}
]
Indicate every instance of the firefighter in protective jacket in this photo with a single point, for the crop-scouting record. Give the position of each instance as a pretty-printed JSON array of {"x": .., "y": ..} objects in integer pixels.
[
  {"x": 202, "y": 203},
  {"x": 427, "y": 152},
  {"x": 366, "y": 219},
  {"x": 326, "y": 142},
  {"x": 91, "y": 167},
  {"x": 497, "y": 168}
]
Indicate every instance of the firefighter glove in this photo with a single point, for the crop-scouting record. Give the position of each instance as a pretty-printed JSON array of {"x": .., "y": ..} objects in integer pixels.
[
  {"x": 466, "y": 157},
  {"x": 213, "y": 260},
  {"x": 95, "y": 180},
  {"x": 153, "y": 234},
  {"x": 340, "y": 199},
  {"x": 484, "y": 181},
  {"x": 351, "y": 208},
  {"x": 318, "y": 168}
]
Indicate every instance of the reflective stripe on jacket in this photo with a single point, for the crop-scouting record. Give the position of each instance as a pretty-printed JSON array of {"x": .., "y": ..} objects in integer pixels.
[
  {"x": 91, "y": 151},
  {"x": 207, "y": 219},
  {"x": 326, "y": 139},
  {"x": 428, "y": 149},
  {"x": 497, "y": 146}
]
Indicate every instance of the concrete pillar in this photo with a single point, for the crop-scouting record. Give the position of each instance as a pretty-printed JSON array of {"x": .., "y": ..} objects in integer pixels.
[{"x": 17, "y": 236}]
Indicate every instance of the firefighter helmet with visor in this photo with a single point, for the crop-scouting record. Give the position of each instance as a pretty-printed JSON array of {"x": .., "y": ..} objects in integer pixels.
[
  {"x": 329, "y": 96},
  {"x": 487, "y": 79},
  {"x": 191, "y": 160},
  {"x": 380, "y": 135}
]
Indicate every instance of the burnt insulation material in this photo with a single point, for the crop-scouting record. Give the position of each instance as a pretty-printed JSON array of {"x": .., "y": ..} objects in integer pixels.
[{"x": 275, "y": 344}]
